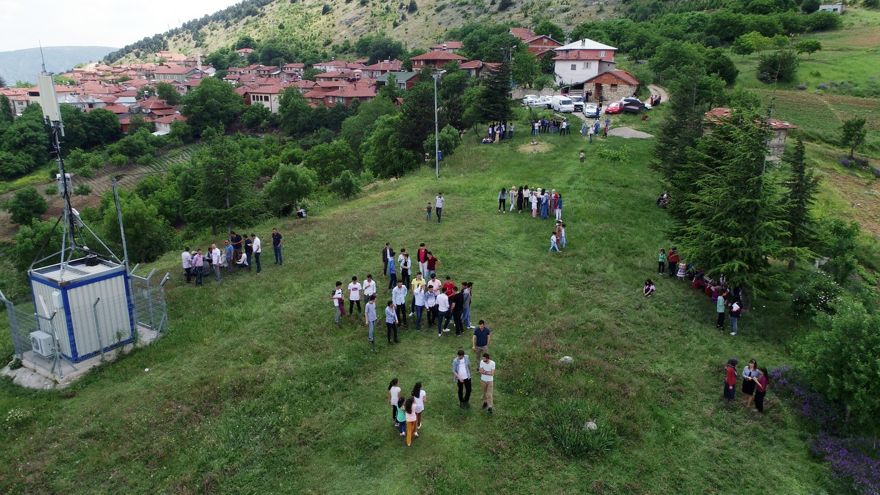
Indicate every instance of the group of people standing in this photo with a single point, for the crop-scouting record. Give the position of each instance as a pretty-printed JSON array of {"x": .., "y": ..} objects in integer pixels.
[
  {"x": 551, "y": 126},
  {"x": 407, "y": 411},
  {"x": 498, "y": 131},
  {"x": 240, "y": 251},
  {"x": 589, "y": 129},
  {"x": 539, "y": 201},
  {"x": 755, "y": 381}
]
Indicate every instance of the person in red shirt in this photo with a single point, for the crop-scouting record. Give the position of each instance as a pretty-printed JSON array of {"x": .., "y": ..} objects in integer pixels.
[
  {"x": 672, "y": 259},
  {"x": 761, "y": 389},
  {"x": 730, "y": 379},
  {"x": 432, "y": 265},
  {"x": 449, "y": 287},
  {"x": 422, "y": 259}
]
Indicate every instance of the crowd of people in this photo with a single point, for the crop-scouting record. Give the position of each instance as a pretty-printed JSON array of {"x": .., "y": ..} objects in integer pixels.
[
  {"x": 755, "y": 381},
  {"x": 590, "y": 129},
  {"x": 240, "y": 252},
  {"x": 407, "y": 411},
  {"x": 497, "y": 132},
  {"x": 551, "y": 126},
  {"x": 540, "y": 202}
]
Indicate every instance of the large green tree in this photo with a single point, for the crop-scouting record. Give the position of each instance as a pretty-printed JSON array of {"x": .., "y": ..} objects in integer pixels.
[
  {"x": 356, "y": 128},
  {"x": 417, "y": 116},
  {"x": 450, "y": 95},
  {"x": 384, "y": 153},
  {"x": 26, "y": 206},
  {"x": 735, "y": 214},
  {"x": 290, "y": 185},
  {"x": 28, "y": 137},
  {"x": 496, "y": 98},
  {"x": 148, "y": 235},
  {"x": 550, "y": 29},
  {"x": 852, "y": 134},
  {"x": 294, "y": 113},
  {"x": 102, "y": 127},
  {"x": 802, "y": 185},
  {"x": 213, "y": 103},
  {"x": 39, "y": 239},
  {"x": 6, "y": 115},
  {"x": 525, "y": 67},
  {"x": 330, "y": 159},
  {"x": 167, "y": 92}
]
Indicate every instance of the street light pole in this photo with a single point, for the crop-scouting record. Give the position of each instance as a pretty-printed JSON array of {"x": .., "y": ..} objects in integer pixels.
[{"x": 436, "y": 129}]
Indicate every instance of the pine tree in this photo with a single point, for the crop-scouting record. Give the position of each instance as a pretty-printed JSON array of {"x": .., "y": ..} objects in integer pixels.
[
  {"x": 736, "y": 215},
  {"x": 802, "y": 186},
  {"x": 496, "y": 97}
]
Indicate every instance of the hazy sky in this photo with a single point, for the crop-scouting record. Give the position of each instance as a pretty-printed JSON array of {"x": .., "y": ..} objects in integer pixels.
[{"x": 115, "y": 23}]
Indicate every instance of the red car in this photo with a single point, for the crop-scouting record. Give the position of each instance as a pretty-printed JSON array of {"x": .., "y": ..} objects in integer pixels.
[{"x": 612, "y": 108}]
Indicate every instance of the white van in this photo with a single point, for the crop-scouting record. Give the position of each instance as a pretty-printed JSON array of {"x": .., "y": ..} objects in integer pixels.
[{"x": 562, "y": 104}]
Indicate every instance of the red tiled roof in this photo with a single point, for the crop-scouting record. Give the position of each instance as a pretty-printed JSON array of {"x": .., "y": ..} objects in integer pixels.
[
  {"x": 168, "y": 119},
  {"x": 614, "y": 77},
  {"x": 473, "y": 64},
  {"x": 304, "y": 84},
  {"x": 777, "y": 125},
  {"x": 117, "y": 109},
  {"x": 448, "y": 45},
  {"x": 172, "y": 69},
  {"x": 353, "y": 91},
  {"x": 386, "y": 65},
  {"x": 294, "y": 65},
  {"x": 522, "y": 33},
  {"x": 439, "y": 55}
]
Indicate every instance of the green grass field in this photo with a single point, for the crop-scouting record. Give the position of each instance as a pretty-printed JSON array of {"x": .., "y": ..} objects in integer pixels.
[{"x": 253, "y": 390}]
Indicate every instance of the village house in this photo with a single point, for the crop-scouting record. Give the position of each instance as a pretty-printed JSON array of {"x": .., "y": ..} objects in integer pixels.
[
  {"x": 163, "y": 124},
  {"x": 402, "y": 80},
  {"x": 293, "y": 71},
  {"x": 448, "y": 46},
  {"x": 435, "y": 59},
  {"x": 834, "y": 8},
  {"x": 176, "y": 73},
  {"x": 538, "y": 44},
  {"x": 779, "y": 131},
  {"x": 478, "y": 68},
  {"x": 611, "y": 86},
  {"x": 580, "y": 61},
  {"x": 268, "y": 96},
  {"x": 374, "y": 71},
  {"x": 346, "y": 95}
]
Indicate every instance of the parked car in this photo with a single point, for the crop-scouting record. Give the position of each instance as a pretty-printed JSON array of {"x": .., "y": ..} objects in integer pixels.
[
  {"x": 562, "y": 104},
  {"x": 578, "y": 103},
  {"x": 613, "y": 108},
  {"x": 530, "y": 101},
  {"x": 632, "y": 105},
  {"x": 591, "y": 110}
]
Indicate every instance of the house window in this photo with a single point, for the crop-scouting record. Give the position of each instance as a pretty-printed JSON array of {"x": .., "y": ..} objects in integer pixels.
[
  {"x": 602, "y": 53},
  {"x": 573, "y": 66},
  {"x": 613, "y": 87},
  {"x": 587, "y": 65}
]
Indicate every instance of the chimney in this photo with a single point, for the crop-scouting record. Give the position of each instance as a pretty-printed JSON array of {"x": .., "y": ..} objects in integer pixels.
[{"x": 583, "y": 43}]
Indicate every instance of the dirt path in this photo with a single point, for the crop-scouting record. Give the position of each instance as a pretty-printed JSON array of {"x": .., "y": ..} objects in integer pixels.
[{"x": 657, "y": 90}]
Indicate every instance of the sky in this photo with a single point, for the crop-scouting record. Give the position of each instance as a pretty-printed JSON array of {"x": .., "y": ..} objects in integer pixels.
[{"x": 113, "y": 23}]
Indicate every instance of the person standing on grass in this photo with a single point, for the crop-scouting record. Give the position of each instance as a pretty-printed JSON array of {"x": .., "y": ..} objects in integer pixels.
[
  {"x": 401, "y": 416},
  {"x": 391, "y": 269},
  {"x": 554, "y": 246},
  {"x": 428, "y": 211},
  {"x": 761, "y": 389},
  {"x": 186, "y": 262},
  {"x": 418, "y": 281},
  {"x": 354, "y": 295},
  {"x": 393, "y": 396},
  {"x": 249, "y": 250},
  {"x": 398, "y": 296},
  {"x": 513, "y": 198},
  {"x": 419, "y": 398},
  {"x": 432, "y": 264},
  {"x": 442, "y": 312},
  {"x": 562, "y": 241},
  {"x": 387, "y": 253},
  {"x": 481, "y": 339},
  {"x": 215, "y": 261},
  {"x": 370, "y": 317},
  {"x": 235, "y": 240},
  {"x": 431, "y": 304},
  {"x": 461, "y": 373},
  {"x": 405, "y": 265},
  {"x": 533, "y": 201},
  {"x": 730, "y": 379},
  {"x": 487, "y": 381},
  {"x": 590, "y": 131},
  {"x": 672, "y": 259},
  {"x": 735, "y": 310},
  {"x": 369, "y": 287},
  {"x": 198, "y": 263},
  {"x": 545, "y": 204},
  {"x": 749, "y": 379},
  {"x": 419, "y": 302},
  {"x": 520, "y": 199},
  {"x": 422, "y": 259},
  {"x": 558, "y": 209},
  {"x": 661, "y": 261},
  {"x": 456, "y": 307},
  {"x": 720, "y": 308},
  {"x": 277, "y": 240},
  {"x": 466, "y": 293},
  {"x": 258, "y": 250},
  {"x": 391, "y": 321},
  {"x": 338, "y": 304},
  {"x": 411, "y": 419},
  {"x": 438, "y": 205},
  {"x": 230, "y": 255},
  {"x": 502, "y": 201}
]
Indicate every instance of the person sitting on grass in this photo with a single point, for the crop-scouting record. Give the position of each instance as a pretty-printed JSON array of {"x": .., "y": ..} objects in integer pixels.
[
  {"x": 649, "y": 288},
  {"x": 242, "y": 261},
  {"x": 663, "y": 200}
]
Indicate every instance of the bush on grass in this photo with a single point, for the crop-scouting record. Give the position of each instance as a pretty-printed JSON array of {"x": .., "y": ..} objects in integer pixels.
[
  {"x": 816, "y": 292},
  {"x": 579, "y": 429}
]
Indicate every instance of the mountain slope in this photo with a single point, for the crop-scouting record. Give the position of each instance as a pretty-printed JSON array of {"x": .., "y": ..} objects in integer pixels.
[
  {"x": 303, "y": 21},
  {"x": 24, "y": 65}
]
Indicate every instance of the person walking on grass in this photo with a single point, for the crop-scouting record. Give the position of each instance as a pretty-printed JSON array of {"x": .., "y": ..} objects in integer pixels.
[
  {"x": 186, "y": 262},
  {"x": 338, "y": 304},
  {"x": 730, "y": 379},
  {"x": 398, "y": 296},
  {"x": 554, "y": 246},
  {"x": 456, "y": 306},
  {"x": 502, "y": 201},
  {"x": 661, "y": 261},
  {"x": 277, "y": 240},
  {"x": 749, "y": 379},
  {"x": 198, "y": 264},
  {"x": 735, "y": 310},
  {"x": 461, "y": 373},
  {"x": 393, "y": 396},
  {"x": 442, "y": 311},
  {"x": 761, "y": 389},
  {"x": 419, "y": 303},
  {"x": 401, "y": 416},
  {"x": 391, "y": 321},
  {"x": 422, "y": 259},
  {"x": 481, "y": 339},
  {"x": 411, "y": 419},
  {"x": 418, "y": 281},
  {"x": 419, "y": 398},
  {"x": 391, "y": 269},
  {"x": 370, "y": 317},
  {"x": 467, "y": 294},
  {"x": 720, "y": 308},
  {"x": 487, "y": 381},
  {"x": 215, "y": 261},
  {"x": 438, "y": 205},
  {"x": 431, "y": 304},
  {"x": 354, "y": 295}
]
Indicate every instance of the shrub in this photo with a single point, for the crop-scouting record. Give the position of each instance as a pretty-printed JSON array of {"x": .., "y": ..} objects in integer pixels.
[
  {"x": 578, "y": 428},
  {"x": 346, "y": 185},
  {"x": 816, "y": 292},
  {"x": 17, "y": 417},
  {"x": 611, "y": 154},
  {"x": 504, "y": 5},
  {"x": 779, "y": 66},
  {"x": 119, "y": 160},
  {"x": 82, "y": 190},
  {"x": 26, "y": 205},
  {"x": 326, "y": 9},
  {"x": 51, "y": 190}
]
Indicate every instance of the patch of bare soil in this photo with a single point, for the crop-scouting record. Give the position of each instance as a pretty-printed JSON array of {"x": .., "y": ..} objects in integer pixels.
[{"x": 535, "y": 147}]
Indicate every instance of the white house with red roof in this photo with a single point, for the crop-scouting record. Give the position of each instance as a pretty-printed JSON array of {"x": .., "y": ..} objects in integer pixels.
[
  {"x": 581, "y": 61},
  {"x": 435, "y": 59},
  {"x": 269, "y": 96}
]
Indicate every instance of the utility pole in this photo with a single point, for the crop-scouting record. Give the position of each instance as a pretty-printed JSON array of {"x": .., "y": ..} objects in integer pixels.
[{"x": 436, "y": 127}]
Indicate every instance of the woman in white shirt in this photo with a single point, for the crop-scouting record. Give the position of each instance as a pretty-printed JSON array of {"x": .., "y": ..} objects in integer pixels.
[
  {"x": 419, "y": 397},
  {"x": 393, "y": 395}
]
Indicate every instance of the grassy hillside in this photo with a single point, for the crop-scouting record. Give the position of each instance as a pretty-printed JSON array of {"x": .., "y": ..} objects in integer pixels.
[
  {"x": 303, "y": 20},
  {"x": 253, "y": 390}
]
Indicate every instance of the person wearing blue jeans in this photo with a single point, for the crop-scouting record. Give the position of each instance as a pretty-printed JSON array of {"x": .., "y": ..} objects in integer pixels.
[
  {"x": 419, "y": 301},
  {"x": 466, "y": 306},
  {"x": 391, "y": 321},
  {"x": 370, "y": 317},
  {"x": 392, "y": 273},
  {"x": 277, "y": 239},
  {"x": 442, "y": 311}
]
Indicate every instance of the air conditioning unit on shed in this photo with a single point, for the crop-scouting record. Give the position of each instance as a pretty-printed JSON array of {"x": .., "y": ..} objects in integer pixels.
[{"x": 41, "y": 343}]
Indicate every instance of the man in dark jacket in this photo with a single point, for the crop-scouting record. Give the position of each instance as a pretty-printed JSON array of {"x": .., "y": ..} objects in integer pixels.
[{"x": 387, "y": 253}]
